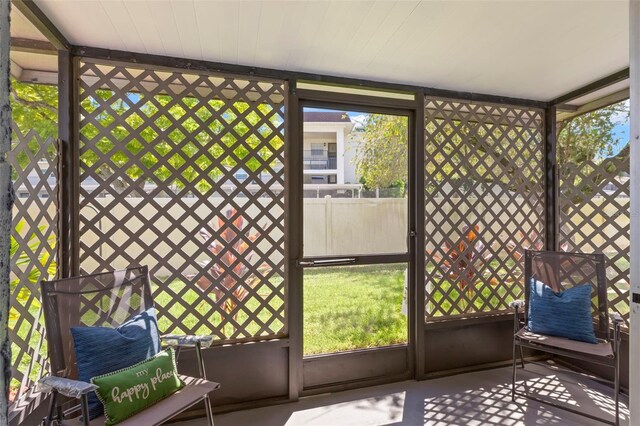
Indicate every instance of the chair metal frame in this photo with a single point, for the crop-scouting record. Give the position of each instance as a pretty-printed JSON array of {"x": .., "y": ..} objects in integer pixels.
[
  {"x": 601, "y": 327},
  {"x": 60, "y": 361}
]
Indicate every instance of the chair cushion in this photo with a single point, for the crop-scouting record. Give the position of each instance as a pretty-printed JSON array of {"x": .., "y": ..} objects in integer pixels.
[
  {"x": 101, "y": 350},
  {"x": 564, "y": 314},
  {"x": 601, "y": 349},
  {"x": 165, "y": 409},
  {"x": 133, "y": 389}
]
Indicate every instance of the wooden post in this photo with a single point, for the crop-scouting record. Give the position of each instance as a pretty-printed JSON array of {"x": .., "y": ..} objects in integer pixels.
[
  {"x": 6, "y": 204},
  {"x": 551, "y": 225},
  {"x": 634, "y": 321},
  {"x": 69, "y": 154}
]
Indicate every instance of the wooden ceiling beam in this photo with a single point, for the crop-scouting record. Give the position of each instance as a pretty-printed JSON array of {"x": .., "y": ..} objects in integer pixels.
[{"x": 40, "y": 47}]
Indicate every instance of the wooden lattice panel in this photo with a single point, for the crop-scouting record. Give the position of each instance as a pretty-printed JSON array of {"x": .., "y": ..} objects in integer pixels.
[
  {"x": 33, "y": 255},
  {"x": 183, "y": 172},
  {"x": 484, "y": 203},
  {"x": 594, "y": 217}
]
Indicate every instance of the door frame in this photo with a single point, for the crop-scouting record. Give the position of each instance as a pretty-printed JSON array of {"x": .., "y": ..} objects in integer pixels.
[{"x": 413, "y": 110}]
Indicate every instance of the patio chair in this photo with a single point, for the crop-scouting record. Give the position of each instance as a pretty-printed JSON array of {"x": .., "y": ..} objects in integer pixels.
[
  {"x": 107, "y": 299},
  {"x": 562, "y": 271}
]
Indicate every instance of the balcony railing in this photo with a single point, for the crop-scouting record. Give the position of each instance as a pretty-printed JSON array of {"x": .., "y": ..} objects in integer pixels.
[{"x": 318, "y": 159}]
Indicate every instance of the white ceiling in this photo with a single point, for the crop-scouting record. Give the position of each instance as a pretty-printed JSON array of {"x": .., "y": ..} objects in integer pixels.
[
  {"x": 599, "y": 94},
  {"x": 22, "y": 28},
  {"x": 530, "y": 49},
  {"x": 29, "y": 66}
]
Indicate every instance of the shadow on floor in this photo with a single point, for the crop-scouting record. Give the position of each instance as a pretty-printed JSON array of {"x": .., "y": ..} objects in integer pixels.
[{"x": 480, "y": 398}]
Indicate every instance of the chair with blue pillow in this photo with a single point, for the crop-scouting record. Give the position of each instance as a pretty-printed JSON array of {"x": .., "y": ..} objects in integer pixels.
[
  {"x": 100, "y": 323},
  {"x": 565, "y": 314}
]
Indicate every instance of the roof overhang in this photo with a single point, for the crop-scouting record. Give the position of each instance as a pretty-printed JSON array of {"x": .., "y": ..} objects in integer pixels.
[{"x": 505, "y": 49}]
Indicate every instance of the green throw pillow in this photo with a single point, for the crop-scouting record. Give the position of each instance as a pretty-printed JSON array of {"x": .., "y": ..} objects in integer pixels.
[{"x": 130, "y": 390}]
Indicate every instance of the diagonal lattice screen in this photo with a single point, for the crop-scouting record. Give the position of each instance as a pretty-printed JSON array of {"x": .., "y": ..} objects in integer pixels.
[
  {"x": 33, "y": 256},
  {"x": 183, "y": 172},
  {"x": 593, "y": 200},
  {"x": 484, "y": 203}
]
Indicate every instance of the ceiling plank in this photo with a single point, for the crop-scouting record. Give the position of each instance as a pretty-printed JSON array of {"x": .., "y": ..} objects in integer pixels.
[
  {"x": 165, "y": 22},
  {"x": 188, "y": 29},
  {"x": 606, "y": 101},
  {"x": 124, "y": 24},
  {"x": 382, "y": 19},
  {"x": 592, "y": 87},
  {"x": 144, "y": 26},
  {"x": 33, "y": 13},
  {"x": 311, "y": 20},
  {"x": 40, "y": 77},
  {"x": 16, "y": 70},
  {"x": 248, "y": 28},
  {"x": 208, "y": 32},
  {"x": 228, "y": 30},
  {"x": 566, "y": 107},
  {"x": 334, "y": 39},
  {"x": 269, "y": 42}
]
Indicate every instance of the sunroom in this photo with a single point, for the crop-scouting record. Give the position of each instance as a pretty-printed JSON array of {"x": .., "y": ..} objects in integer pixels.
[{"x": 337, "y": 195}]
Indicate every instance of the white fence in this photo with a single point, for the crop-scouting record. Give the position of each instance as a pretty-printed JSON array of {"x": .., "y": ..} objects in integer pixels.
[{"x": 331, "y": 226}]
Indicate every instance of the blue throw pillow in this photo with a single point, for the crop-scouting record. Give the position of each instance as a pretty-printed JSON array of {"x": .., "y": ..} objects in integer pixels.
[
  {"x": 565, "y": 314},
  {"x": 101, "y": 350}
]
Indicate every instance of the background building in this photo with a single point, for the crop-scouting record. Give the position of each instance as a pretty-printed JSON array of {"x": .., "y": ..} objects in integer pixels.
[{"x": 330, "y": 142}]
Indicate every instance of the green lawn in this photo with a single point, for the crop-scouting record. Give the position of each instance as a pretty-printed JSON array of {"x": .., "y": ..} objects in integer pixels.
[
  {"x": 353, "y": 307},
  {"x": 344, "y": 308}
]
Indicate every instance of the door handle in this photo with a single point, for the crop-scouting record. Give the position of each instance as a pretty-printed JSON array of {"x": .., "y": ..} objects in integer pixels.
[
  {"x": 326, "y": 262},
  {"x": 410, "y": 235}
]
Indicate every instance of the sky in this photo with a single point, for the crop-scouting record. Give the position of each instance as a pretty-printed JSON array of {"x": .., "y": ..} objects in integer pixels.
[{"x": 622, "y": 131}]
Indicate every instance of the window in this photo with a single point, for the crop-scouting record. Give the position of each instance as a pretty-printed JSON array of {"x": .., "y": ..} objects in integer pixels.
[{"x": 317, "y": 149}]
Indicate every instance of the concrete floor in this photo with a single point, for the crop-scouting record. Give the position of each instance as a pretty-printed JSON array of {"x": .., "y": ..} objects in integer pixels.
[{"x": 480, "y": 398}]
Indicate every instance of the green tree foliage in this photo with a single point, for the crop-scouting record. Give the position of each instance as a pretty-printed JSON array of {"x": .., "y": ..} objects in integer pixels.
[
  {"x": 591, "y": 136},
  {"x": 35, "y": 107},
  {"x": 382, "y": 157},
  {"x": 21, "y": 257},
  {"x": 214, "y": 131},
  {"x": 160, "y": 131}
]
